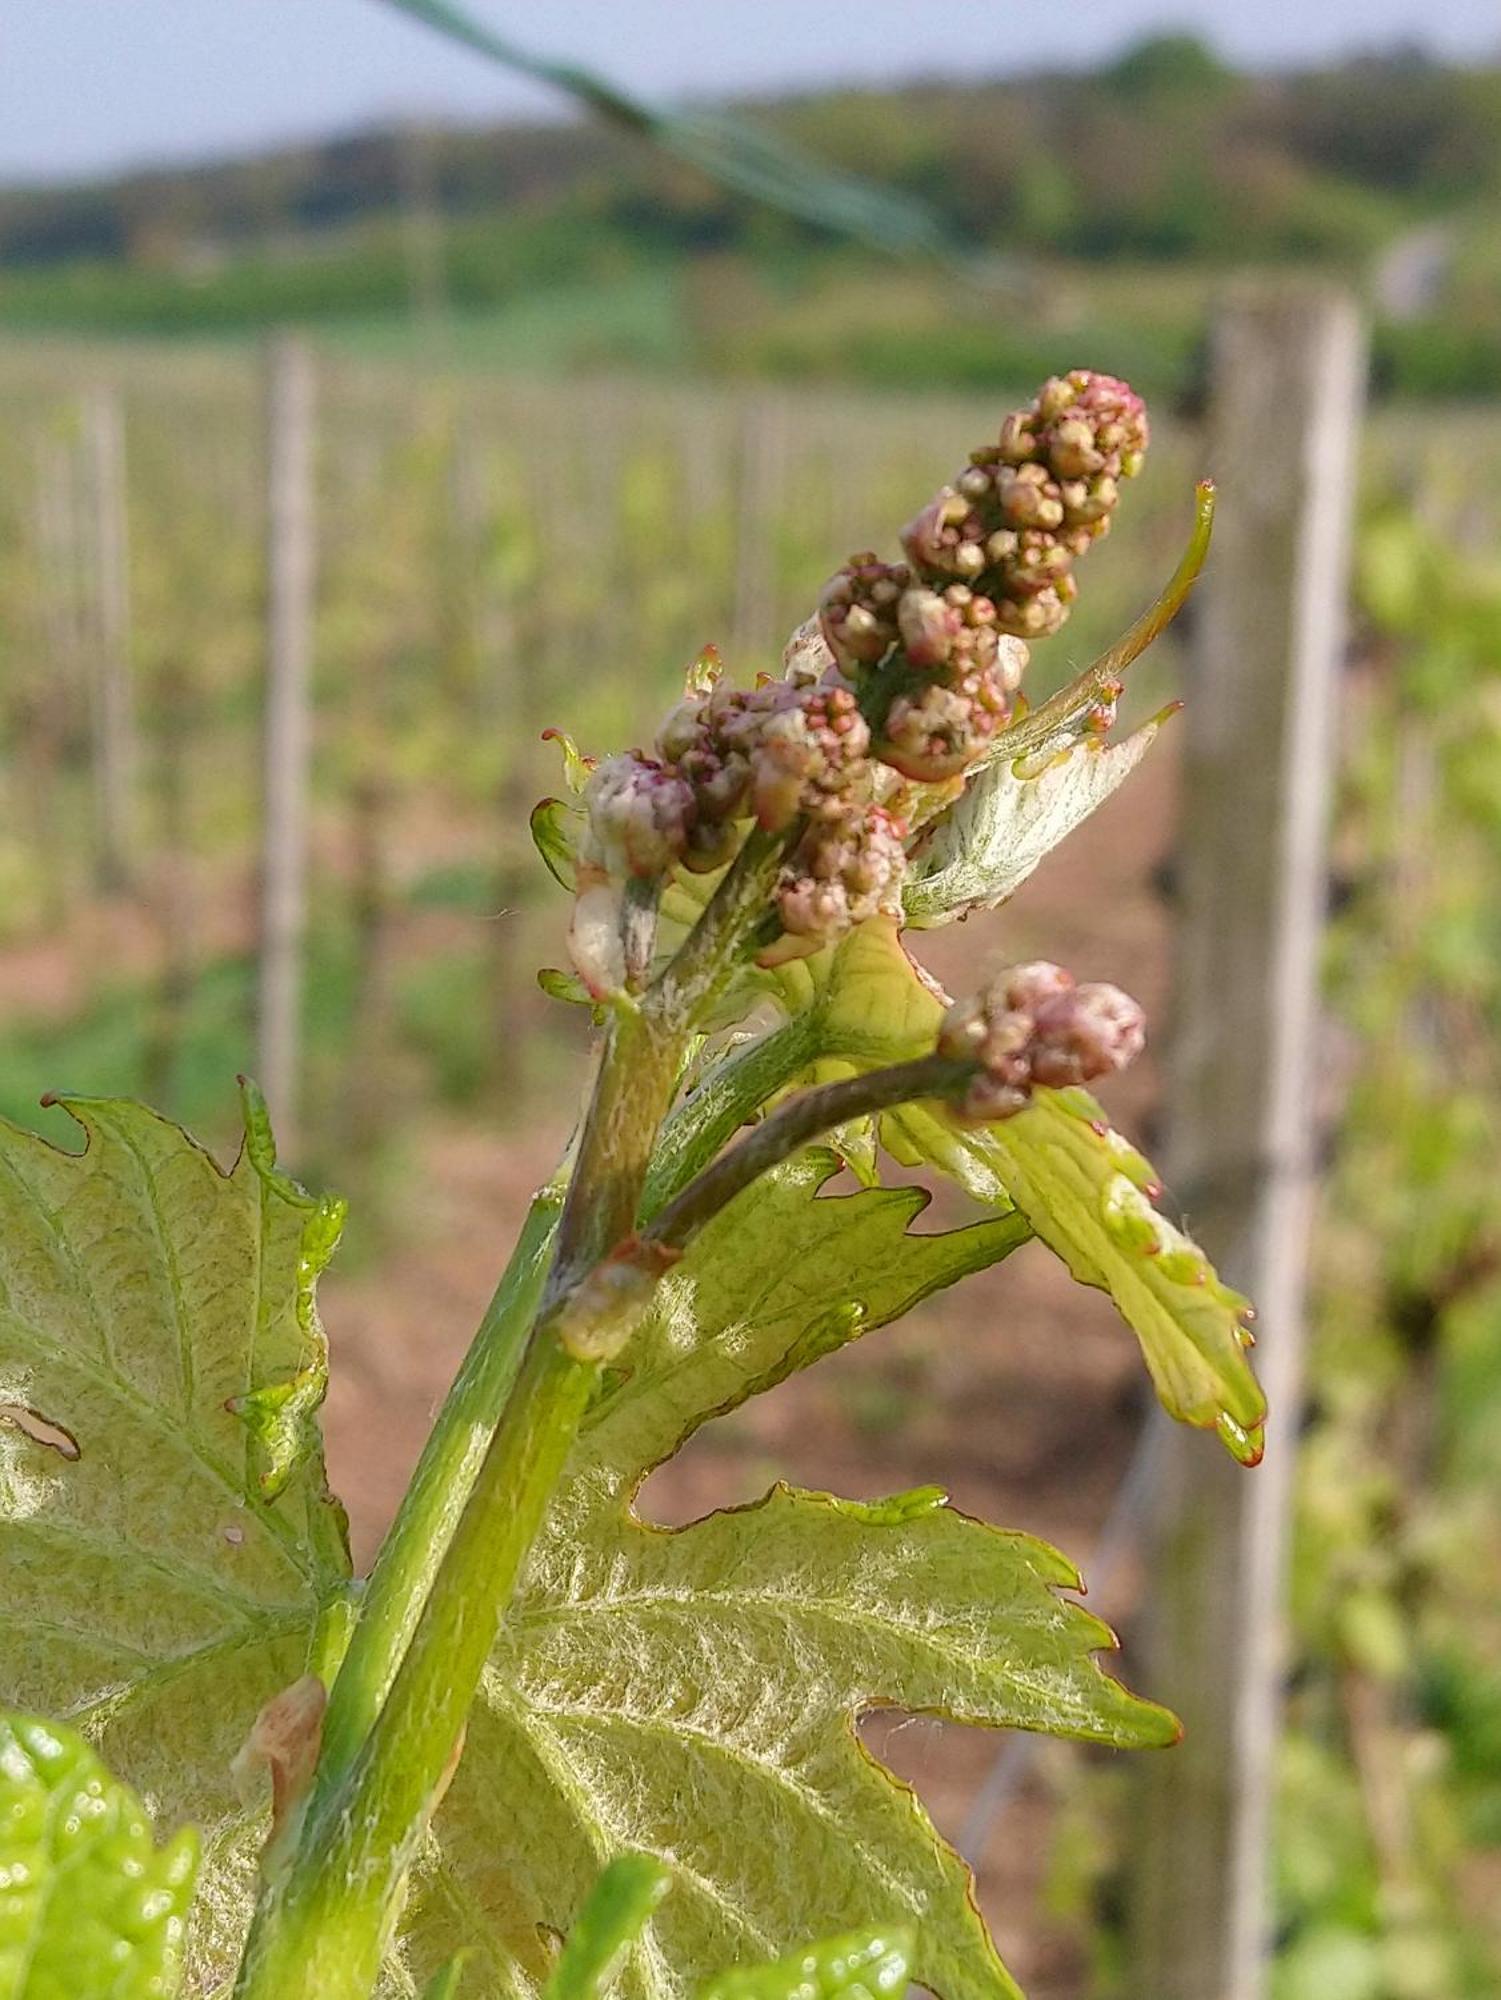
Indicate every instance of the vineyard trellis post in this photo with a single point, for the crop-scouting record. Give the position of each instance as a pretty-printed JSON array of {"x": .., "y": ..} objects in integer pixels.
[
  {"x": 1287, "y": 383},
  {"x": 112, "y": 701},
  {"x": 287, "y": 743}
]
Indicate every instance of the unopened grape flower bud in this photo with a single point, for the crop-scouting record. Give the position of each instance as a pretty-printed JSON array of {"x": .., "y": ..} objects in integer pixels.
[
  {"x": 1029, "y": 497},
  {"x": 843, "y": 872},
  {"x": 858, "y": 609},
  {"x": 936, "y": 732},
  {"x": 954, "y": 629},
  {"x": 1030, "y": 987},
  {"x": 637, "y": 816},
  {"x": 1085, "y": 1034},
  {"x": 946, "y": 541},
  {"x": 809, "y": 754},
  {"x": 1033, "y": 1025}
]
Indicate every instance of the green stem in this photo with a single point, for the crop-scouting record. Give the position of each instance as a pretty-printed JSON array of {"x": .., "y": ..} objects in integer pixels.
[
  {"x": 392, "y": 1600},
  {"x": 639, "y": 1069},
  {"x": 794, "y": 1125},
  {"x": 322, "y": 1926},
  {"x": 322, "y": 1932},
  {"x": 731, "y": 1093},
  {"x": 409, "y": 1556}
]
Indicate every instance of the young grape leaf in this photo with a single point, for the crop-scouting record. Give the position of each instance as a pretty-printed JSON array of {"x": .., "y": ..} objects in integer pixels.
[
  {"x": 1082, "y": 1188},
  {"x": 1009, "y": 819},
  {"x": 1088, "y": 1194},
  {"x": 162, "y": 1560},
  {"x": 692, "y": 1694},
  {"x": 90, "y": 1907},
  {"x": 554, "y": 835}
]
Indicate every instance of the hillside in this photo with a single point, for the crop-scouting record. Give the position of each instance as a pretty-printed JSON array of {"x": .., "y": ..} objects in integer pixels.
[{"x": 1124, "y": 193}]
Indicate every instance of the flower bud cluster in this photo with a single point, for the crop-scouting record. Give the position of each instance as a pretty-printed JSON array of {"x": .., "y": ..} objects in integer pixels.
[
  {"x": 989, "y": 566},
  {"x": 778, "y": 752},
  {"x": 918, "y": 667},
  {"x": 843, "y": 871},
  {"x": 860, "y": 610},
  {"x": 771, "y": 752},
  {"x": 1033, "y": 1025},
  {"x": 637, "y": 816},
  {"x": 1014, "y": 521}
]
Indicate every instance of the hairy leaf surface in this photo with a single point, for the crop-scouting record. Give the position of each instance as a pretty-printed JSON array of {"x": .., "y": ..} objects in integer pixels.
[
  {"x": 1009, "y": 820},
  {"x": 1084, "y": 1190},
  {"x": 90, "y": 1907},
  {"x": 162, "y": 1560},
  {"x": 692, "y": 1693}
]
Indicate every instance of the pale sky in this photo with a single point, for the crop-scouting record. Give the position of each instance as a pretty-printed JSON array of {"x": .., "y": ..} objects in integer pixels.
[{"x": 96, "y": 85}]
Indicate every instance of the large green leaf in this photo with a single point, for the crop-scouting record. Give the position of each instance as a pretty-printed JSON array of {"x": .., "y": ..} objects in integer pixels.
[
  {"x": 155, "y": 1594},
  {"x": 1084, "y": 1190},
  {"x": 90, "y": 1907},
  {"x": 690, "y": 1695},
  {"x": 693, "y": 1693}
]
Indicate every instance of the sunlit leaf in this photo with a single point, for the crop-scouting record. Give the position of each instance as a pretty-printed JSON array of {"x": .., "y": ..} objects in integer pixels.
[
  {"x": 692, "y": 1694},
  {"x": 1010, "y": 818},
  {"x": 90, "y": 1907},
  {"x": 1083, "y": 1190},
  {"x": 161, "y": 1576}
]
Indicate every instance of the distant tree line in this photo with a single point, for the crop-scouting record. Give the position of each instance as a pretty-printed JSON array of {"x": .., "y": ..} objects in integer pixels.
[
  {"x": 1167, "y": 152},
  {"x": 1165, "y": 156}
]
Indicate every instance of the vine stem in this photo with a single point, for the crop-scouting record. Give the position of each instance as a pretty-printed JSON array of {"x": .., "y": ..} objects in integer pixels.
[
  {"x": 324, "y": 1920},
  {"x": 792, "y": 1126},
  {"x": 392, "y": 1600}
]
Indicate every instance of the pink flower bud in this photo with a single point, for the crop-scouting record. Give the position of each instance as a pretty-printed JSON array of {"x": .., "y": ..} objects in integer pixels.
[
  {"x": 809, "y": 754},
  {"x": 637, "y": 816},
  {"x": 1035, "y": 985},
  {"x": 1032, "y": 1025},
  {"x": 857, "y": 610},
  {"x": 844, "y": 872},
  {"x": 938, "y": 731},
  {"x": 1085, "y": 1034}
]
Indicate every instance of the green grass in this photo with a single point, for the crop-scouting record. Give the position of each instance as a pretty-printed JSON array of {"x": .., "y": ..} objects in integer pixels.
[{"x": 635, "y": 320}]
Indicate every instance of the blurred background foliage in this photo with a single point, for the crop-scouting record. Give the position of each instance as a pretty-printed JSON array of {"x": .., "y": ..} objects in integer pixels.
[
  {"x": 1391, "y": 1838},
  {"x": 1113, "y": 198}
]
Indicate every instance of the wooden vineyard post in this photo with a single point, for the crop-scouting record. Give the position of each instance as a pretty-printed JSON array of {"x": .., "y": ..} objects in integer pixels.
[
  {"x": 1286, "y": 394},
  {"x": 287, "y": 744},
  {"x": 62, "y": 647},
  {"x": 111, "y": 698}
]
